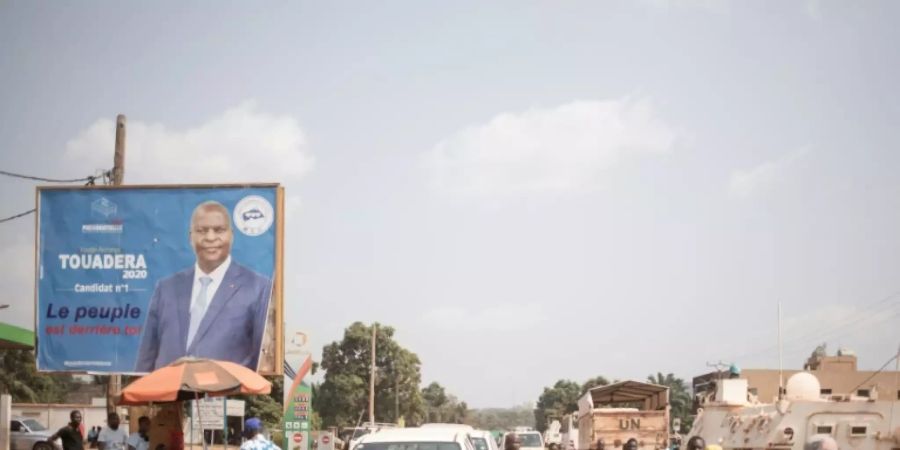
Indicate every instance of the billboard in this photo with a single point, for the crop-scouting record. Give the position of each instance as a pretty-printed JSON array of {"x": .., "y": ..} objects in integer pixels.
[{"x": 129, "y": 279}]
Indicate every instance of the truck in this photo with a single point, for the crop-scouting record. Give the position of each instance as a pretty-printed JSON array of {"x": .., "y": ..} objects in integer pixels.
[
  {"x": 552, "y": 436},
  {"x": 611, "y": 416},
  {"x": 569, "y": 432}
]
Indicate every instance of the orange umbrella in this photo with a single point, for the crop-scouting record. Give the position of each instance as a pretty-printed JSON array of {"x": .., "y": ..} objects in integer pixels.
[{"x": 189, "y": 378}]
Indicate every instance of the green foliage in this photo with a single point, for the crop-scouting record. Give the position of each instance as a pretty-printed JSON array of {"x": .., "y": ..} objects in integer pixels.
[
  {"x": 562, "y": 399},
  {"x": 269, "y": 408},
  {"x": 19, "y": 377},
  {"x": 556, "y": 402},
  {"x": 594, "y": 382},
  {"x": 441, "y": 407},
  {"x": 343, "y": 396},
  {"x": 680, "y": 398},
  {"x": 500, "y": 418}
]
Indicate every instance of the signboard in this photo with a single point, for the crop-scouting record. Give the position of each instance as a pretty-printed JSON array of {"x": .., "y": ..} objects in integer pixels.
[
  {"x": 129, "y": 279},
  {"x": 211, "y": 413},
  {"x": 297, "y": 393},
  {"x": 326, "y": 441},
  {"x": 296, "y": 417}
]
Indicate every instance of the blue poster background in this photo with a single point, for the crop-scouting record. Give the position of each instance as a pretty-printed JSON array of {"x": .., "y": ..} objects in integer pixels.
[{"x": 155, "y": 223}]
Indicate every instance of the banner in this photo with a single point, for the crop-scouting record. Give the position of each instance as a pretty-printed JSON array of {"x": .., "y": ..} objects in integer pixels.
[{"x": 131, "y": 279}]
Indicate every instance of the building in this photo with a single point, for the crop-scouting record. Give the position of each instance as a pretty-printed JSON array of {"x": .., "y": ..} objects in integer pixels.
[{"x": 837, "y": 374}]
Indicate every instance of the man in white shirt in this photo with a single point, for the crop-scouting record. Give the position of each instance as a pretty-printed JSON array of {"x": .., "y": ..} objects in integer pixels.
[
  {"x": 112, "y": 437},
  {"x": 140, "y": 440}
]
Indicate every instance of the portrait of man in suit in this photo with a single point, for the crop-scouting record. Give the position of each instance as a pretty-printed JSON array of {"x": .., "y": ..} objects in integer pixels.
[{"x": 216, "y": 309}]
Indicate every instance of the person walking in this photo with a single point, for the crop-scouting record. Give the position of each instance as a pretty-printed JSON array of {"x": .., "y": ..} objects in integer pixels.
[
  {"x": 253, "y": 431},
  {"x": 112, "y": 437},
  {"x": 71, "y": 436},
  {"x": 513, "y": 442}
]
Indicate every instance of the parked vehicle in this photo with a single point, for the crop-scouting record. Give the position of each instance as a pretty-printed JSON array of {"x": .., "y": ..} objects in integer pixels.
[
  {"x": 350, "y": 436},
  {"x": 29, "y": 434},
  {"x": 435, "y": 438},
  {"x": 552, "y": 436},
  {"x": 483, "y": 440},
  {"x": 569, "y": 432},
  {"x": 530, "y": 440}
]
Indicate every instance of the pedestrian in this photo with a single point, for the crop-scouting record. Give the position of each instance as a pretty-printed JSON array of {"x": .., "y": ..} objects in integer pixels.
[
  {"x": 696, "y": 443},
  {"x": 92, "y": 437},
  {"x": 140, "y": 439},
  {"x": 253, "y": 432},
  {"x": 112, "y": 437},
  {"x": 632, "y": 444},
  {"x": 512, "y": 442},
  {"x": 71, "y": 436}
]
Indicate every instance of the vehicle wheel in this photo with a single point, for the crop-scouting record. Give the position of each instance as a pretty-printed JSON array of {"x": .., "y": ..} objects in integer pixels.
[{"x": 42, "y": 446}]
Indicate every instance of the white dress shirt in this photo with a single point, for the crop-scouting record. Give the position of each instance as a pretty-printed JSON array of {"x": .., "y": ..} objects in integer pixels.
[{"x": 217, "y": 276}]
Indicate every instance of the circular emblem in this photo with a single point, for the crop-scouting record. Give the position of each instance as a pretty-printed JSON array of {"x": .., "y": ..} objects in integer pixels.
[
  {"x": 253, "y": 215},
  {"x": 298, "y": 437}
]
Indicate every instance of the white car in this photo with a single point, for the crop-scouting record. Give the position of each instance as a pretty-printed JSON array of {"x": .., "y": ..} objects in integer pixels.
[
  {"x": 483, "y": 440},
  {"x": 435, "y": 438},
  {"x": 529, "y": 440},
  {"x": 29, "y": 434}
]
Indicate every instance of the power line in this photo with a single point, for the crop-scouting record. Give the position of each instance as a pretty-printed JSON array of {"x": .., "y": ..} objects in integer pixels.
[
  {"x": 22, "y": 214},
  {"x": 49, "y": 180},
  {"x": 896, "y": 355},
  {"x": 857, "y": 318}
]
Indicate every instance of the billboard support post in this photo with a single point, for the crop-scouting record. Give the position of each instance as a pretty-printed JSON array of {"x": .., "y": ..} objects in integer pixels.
[{"x": 118, "y": 175}]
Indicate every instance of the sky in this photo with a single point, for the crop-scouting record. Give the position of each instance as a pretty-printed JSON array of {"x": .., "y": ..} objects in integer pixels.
[{"x": 526, "y": 191}]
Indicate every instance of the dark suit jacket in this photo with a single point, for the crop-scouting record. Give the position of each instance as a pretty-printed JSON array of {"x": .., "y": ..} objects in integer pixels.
[{"x": 231, "y": 330}]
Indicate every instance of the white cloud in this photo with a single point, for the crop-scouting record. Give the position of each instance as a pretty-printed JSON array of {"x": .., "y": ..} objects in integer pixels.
[
  {"x": 747, "y": 182},
  {"x": 562, "y": 149},
  {"x": 239, "y": 145},
  {"x": 503, "y": 318}
]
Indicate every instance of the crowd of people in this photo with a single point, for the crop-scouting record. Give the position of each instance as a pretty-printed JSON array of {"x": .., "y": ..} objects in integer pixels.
[
  {"x": 114, "y": 437},
  {"x": 110, "y": 437}
]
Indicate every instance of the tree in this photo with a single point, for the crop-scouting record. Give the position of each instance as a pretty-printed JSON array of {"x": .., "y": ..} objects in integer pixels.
[
  {"x": 500, "y": 418},
  {"x": 343, "y": 395},
  {"x": 268, "y": 408},
  {"x": 679, "y": 398},
  {"x": 441, "y": 407},
  {"x": 599, "y": 380},
  {"x": 20, "y": 378},
  {"x": 556, "y": 402}
]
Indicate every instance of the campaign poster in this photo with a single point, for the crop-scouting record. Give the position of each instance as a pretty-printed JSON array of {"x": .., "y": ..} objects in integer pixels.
[{"x": 130, "y": 279}]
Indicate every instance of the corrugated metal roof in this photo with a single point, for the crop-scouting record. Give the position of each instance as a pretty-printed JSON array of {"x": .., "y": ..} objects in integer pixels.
[
  {"x": 13, "y": 337},
  {"x": 655, "y": 396}
]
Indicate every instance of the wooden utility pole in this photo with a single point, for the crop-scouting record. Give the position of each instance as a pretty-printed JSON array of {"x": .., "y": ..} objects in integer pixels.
[
  {"x": 372, "y": 378},
  {"x": 396, "y": 398},
  {"x": 118, "y": 175}
]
